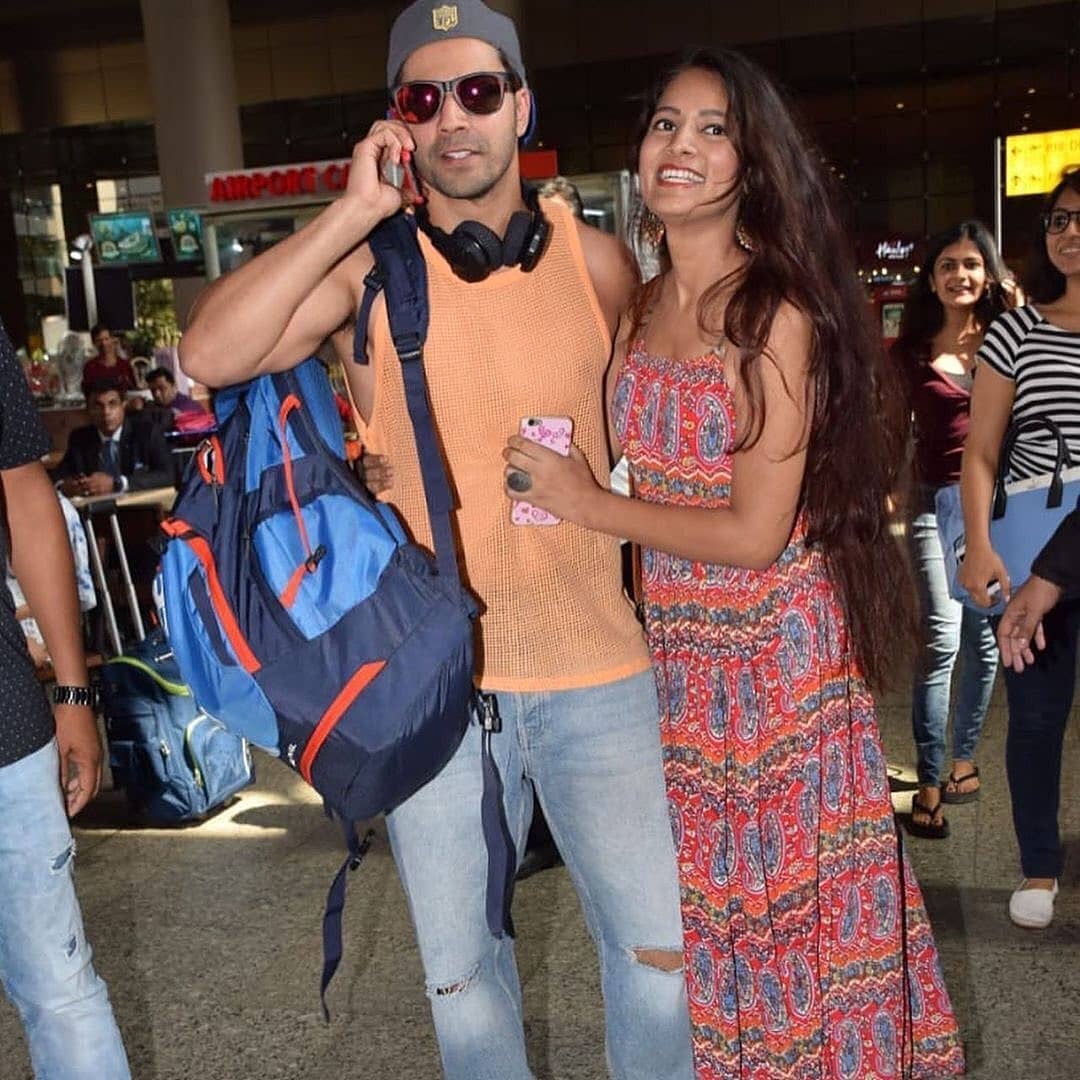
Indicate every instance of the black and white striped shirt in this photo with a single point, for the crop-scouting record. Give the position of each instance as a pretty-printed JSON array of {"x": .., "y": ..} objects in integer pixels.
[{"x": 1043, "y": 361}]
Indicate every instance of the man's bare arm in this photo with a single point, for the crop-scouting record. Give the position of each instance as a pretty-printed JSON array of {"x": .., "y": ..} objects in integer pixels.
[
  {"x": 612, "y": 270},
  {"x": 615, "y": 276},
  {"x": 276, "y": 310},
  {"x": 42, "y": 561}
]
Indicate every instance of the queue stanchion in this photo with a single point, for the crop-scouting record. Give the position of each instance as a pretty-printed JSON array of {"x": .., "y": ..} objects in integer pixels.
[{"x": 125, "y": 574}]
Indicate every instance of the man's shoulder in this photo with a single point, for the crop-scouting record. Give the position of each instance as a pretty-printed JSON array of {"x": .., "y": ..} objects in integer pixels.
[
  {"x": 603, "y": 247},
  {"x": 612, "y": 269},
  {"x": 353, "y": 268}
]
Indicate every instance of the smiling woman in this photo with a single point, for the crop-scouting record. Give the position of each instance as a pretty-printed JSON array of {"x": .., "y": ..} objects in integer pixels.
[
  {"x": 763, "y": 431},
  {"x": 956, "y": 295},
  {"x": 1030, "y": 368}
]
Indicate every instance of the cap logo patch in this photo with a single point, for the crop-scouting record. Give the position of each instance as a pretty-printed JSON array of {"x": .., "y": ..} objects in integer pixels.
[{"x": 444, "y": 18}]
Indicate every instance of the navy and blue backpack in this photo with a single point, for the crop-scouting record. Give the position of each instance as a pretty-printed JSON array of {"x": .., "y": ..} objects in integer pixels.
[
  {"x": 174, "y": 762},
  {"x": 302, "y": 616}
]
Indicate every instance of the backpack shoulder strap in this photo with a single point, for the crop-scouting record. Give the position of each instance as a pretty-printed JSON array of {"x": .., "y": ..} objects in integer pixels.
[{"x": 401, "y": 272}]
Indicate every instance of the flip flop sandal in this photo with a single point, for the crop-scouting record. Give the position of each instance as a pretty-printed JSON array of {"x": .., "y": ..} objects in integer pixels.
[
  {"x": 929, "y": 831},
  {"x": 955, "y": 798}
]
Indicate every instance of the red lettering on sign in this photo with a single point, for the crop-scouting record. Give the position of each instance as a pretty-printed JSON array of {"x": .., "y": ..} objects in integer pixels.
[{"x": 280, "y": 183}]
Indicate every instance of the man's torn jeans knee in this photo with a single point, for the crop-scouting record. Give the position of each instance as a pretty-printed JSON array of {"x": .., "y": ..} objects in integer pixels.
[
  {"x": 459, "y": 986},
  {"x": 669, "y": 960}
]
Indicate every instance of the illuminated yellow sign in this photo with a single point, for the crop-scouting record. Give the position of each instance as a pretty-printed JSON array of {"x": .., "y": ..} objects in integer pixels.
[{"x": 1033, "y": 163}]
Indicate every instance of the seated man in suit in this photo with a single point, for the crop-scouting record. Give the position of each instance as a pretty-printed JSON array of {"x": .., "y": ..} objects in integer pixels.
[
  {"x": 162, "y": 384},
  {"x": 114, "y": 452}
]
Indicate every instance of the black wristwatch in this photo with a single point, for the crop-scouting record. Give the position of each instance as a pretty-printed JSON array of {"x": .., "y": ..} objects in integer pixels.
[{"x": 76, "y": 695}]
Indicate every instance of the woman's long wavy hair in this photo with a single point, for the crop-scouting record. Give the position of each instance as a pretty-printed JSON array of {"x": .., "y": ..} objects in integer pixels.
[
  {"x": 855, "y": 403},
  {"x": 924, "y": 314},
  {"x": 1043, "y": 281}
]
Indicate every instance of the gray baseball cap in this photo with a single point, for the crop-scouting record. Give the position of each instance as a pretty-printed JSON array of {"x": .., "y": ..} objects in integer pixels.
[{"x": 430, "y": 20}]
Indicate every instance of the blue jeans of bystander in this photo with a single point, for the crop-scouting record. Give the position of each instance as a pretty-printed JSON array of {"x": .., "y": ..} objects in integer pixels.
[
  {"x": 45, "y": 959},
  {"x": 948, "y": 629}
]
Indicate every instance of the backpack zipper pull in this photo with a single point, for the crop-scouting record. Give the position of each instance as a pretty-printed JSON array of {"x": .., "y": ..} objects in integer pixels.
[{"x": 311, "y": 563}]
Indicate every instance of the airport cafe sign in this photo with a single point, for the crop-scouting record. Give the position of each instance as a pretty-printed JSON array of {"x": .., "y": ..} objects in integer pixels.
[
  {"x": 1033, "y": 163},
  {"x": 312, "y": 179},
  {"x": 895, "y": 250},
  {"x": 325, "y": 179}
]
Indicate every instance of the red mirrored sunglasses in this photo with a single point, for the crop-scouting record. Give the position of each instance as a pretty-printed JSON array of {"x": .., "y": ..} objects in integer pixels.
[{"x": 480, "y": 93}]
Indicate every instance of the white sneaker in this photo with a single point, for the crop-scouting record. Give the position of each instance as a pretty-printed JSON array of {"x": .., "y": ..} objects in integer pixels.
[{"x": 1032, "y": 908}]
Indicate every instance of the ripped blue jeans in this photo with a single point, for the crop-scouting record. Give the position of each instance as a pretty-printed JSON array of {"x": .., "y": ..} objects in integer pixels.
[
  {"x": 45, "y": 961},
  {"x": 593, "y": 756}
]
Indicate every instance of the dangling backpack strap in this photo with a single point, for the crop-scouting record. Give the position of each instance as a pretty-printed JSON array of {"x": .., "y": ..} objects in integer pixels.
[
  {"x": 497, "y": 839},
  {"x": 335, "y": 904}
]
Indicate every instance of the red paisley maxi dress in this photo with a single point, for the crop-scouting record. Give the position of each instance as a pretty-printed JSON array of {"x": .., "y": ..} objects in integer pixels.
[{"x": 807, "y": 947}]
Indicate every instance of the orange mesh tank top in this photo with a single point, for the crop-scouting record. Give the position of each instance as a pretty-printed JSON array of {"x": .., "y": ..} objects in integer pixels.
[{"x": 553, "y": 611}]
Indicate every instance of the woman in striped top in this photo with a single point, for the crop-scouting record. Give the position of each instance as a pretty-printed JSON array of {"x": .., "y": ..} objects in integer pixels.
[{"x": 1030, "y": 366}]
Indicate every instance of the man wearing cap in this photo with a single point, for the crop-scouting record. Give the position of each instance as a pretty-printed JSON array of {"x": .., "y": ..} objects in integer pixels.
[{"x": 524, "y": 304}]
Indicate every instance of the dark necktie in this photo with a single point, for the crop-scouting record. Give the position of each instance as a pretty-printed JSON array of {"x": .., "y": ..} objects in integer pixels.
[{"x": 110, "y": 458}]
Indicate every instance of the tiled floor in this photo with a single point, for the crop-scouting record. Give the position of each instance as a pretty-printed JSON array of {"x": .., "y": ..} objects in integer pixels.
[{"x": 209, "y": 938}]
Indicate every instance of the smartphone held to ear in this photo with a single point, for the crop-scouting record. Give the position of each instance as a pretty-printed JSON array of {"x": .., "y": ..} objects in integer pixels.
[
  {"x": 394, "y": 174},
  {"x": 556, "y": 433},
  {"x": 400, "y": 174}
]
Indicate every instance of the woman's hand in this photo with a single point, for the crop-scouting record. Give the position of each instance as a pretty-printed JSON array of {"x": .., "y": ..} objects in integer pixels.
[
  {"x": 563, "y": 486},
  {"x": 981, "y": 566}
]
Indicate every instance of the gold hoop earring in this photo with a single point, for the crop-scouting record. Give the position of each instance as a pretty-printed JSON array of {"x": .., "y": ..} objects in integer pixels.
[
  {"x": 652, "y": 228},
  {"x": 742, "y": 238}
]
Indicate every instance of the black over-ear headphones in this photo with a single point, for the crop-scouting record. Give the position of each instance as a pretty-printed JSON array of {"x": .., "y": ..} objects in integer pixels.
[{"x": 474, "y": 251}]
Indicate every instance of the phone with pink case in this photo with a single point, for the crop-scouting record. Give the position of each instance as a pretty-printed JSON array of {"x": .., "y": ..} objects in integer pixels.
[{"x": 554, "y": 432}]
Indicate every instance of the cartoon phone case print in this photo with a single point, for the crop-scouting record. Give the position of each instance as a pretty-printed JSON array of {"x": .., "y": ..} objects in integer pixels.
[{"x": 554, "y": 432}]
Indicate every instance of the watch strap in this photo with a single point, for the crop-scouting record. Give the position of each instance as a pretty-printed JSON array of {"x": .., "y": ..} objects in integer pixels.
[{"x": 76, "y": 695}]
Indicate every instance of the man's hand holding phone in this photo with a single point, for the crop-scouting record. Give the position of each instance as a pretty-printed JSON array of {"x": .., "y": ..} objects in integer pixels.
[
  {"x": 377, "y": 161},
  {"x": 402, "y": 175}
]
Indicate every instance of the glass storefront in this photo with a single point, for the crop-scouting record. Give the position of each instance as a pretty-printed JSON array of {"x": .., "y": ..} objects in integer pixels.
[
  {"x": 906, "y": 114},
  {"x": 41, "y": 249}
]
